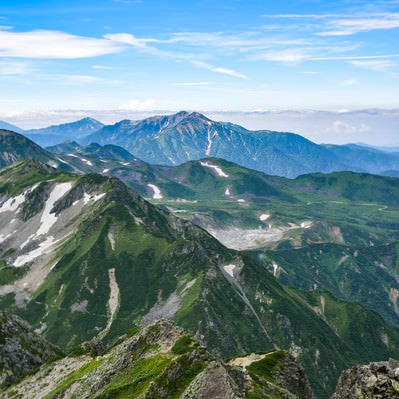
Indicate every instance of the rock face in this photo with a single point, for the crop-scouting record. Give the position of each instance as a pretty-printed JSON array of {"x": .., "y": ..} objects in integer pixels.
[
  {"x": 163, "y": 361},
  {"x": 21, "y": 350},
  {"x": 375, "y": 380}
]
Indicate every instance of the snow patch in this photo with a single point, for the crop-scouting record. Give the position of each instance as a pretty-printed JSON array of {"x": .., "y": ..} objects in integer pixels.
[
  {"x": 208, "y": 150},
  {"x": 72, "y": 155},
  {"x": 275, "y": 269},
  {"x": 105, "y": 170},
  {"x": 86, "y": 161},
  {"x": 45, "y": 247},
  {"x": 48, "y": 219},
  {"x": 217, "y": 169},
  {"x": 53, "y": 164},
  {"x": 229, "y": 269},
  {"x": 125, "y": 163},
  {"x": 264, "y": 216},
  {"x": 157, "y": 192},
  {"x": 306, "y": 225},
  {"x": 13, "y": 203},
  {"x": 227, "y": 191},
  {"x": 90, "y": 197},
  {"x": 241, "y": 200}
]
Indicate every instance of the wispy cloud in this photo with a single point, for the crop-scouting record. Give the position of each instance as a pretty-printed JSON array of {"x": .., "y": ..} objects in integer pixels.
[
  {"x": 53, "y": 44},
  {"x": 193, "y": 84},
  {"x": 102, "y": 67},
  {"x": 350, "y": 82},
  {"x": 290, "y": 55},
  {"x": 138, "y": 105},
  {"x": 9, "y": 68},
  {"x": 225, "y": 71},
  {"x": 362, "y": 23},
  {"x": 374, "y": 65}
]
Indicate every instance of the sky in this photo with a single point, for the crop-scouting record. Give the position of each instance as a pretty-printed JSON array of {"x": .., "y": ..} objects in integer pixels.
[{"x": 205, "y": 55}]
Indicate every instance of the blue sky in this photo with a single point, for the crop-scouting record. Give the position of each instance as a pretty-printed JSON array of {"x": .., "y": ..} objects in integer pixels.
[{"x": 198, "y": 55}]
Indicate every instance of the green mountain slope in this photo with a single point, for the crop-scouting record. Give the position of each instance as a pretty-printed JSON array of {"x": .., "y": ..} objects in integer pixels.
[
  {"x": 109, "y": 261},
  {"x": 15, "y": 146}
]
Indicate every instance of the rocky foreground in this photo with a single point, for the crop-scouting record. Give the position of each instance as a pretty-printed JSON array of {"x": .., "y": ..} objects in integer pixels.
[
  {"x": 162, "y": 361},
  {"x": 375, "y": 380}
]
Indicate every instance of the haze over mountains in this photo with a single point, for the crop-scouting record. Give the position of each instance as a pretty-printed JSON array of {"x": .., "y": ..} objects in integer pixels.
[{"x": 177, "y": 138}]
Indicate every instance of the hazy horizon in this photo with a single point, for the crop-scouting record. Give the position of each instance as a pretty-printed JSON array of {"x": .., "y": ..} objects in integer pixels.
[{"x": 340, "y": 127}]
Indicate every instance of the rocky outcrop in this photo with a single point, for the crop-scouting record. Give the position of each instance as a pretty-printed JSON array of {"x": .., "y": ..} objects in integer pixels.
[
  {"x": 375, "y": 380},
  {"x": 21, "y": 350},
  {"x": 162, "y": 361}
]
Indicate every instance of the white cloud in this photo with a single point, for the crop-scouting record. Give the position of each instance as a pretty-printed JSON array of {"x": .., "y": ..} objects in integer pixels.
[
  {"x": 53, "y": 44},
  {"x": 14, "y": 68},
  {"x": 374, "y": 65},
  {"x": 138, "y": 105},
  {"x": 193, "y": 84},
  {"x": 292, "y": 55},
  {"x": 351, "y": 26},
  {"x": 83, "y": 78},
  {"x": 350, "y": 82},
  {"x": 225, "y": 71},
  {"x": 132, "y": 40},
  {"x": 101, "y": 67},
  {"x": 341, "y": 127}
]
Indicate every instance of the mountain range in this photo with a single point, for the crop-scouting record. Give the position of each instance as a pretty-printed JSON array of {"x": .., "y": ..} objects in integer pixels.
[
  {"x": 84, "y": 256},
  {"x": 184, "y": 136}
]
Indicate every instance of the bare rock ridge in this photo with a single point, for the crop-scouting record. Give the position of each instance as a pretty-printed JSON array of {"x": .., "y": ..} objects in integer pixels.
[
  {"x": 375, "y": 380},
  {"x": 162, "y": 361},
  {"x": 21, "y": 350}
]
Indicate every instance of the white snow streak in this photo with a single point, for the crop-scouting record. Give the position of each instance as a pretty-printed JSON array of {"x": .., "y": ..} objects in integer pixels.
[
  {"x": 90, "y": 197},
  {"x": 44, "y": 248},
  {"x": 157, "y": 192},
  {"x": 229, "y": 269},
  {"x": 217, "y": 169},
  {"x": 264, "y": 217},
  {"x": 105, "y": 170},
  {"x": 86, "y": 161},
  {"x": 48, "y": 219},
  {"x": 227, "y": 192},
  {"x": 208, "y": 150},
  {"x": 13, "y": 203},
  {"x": 275, "y": 269}
]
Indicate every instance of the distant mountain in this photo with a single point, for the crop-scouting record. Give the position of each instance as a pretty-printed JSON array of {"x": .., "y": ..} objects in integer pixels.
[
  {"x": 14, "y": 146},
  {"x": 55, "y": 134},
  {"x": 178, "y": 138},
  {"x": 9, "y": 126},
  {"x": 93, "y": 150},
  {"x": 65, "y": 147}
]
